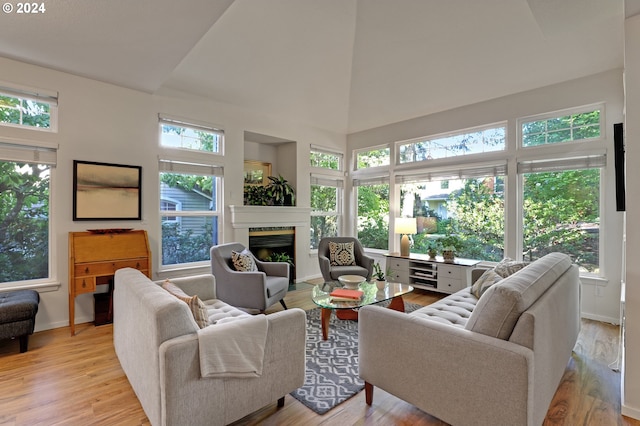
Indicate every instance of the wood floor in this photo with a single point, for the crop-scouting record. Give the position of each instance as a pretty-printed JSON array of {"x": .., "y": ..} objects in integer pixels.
[{"x": 65, "y": 380}]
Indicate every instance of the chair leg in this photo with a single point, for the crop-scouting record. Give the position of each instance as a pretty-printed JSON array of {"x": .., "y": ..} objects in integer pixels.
[
  {"x": 283, "y": 305},
  {"x": 281, "y": 402},
  {"x": 368, "y": 393},
  {"x": 24, "y": 343}
]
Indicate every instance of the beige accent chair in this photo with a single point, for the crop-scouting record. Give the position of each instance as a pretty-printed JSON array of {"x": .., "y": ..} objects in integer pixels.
[
  {"x": 363, "y": 266},
  {"x": 249, "y": 290}
]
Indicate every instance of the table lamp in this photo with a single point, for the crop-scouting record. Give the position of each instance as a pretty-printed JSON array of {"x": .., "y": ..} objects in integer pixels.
[{"x": 405, "y": 226}]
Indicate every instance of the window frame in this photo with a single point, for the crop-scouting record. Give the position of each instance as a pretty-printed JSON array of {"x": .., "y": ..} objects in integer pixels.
[
  {"x": 331, "y": 182},
  {"x": 36, "y": 152},
  {"x": 174, "y": 121},
  {"x": 521, "y": 121},
  {"x": 37, "y": 95},
  {"x": 491, "y": 126}
]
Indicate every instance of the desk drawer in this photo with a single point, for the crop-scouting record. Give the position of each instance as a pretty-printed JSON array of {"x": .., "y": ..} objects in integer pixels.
[
  {"x": 85, "y": 285},
  {"x": 109, "y": 268}
]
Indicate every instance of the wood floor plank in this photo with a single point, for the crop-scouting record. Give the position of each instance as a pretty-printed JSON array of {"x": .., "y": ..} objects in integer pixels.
[{"x": 64, "y": 380}]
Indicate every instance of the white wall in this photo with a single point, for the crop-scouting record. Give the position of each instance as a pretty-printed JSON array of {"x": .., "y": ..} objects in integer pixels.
[
  {"x": 631, "y": 371},
  {"x": 606, "y": 87},
  {"x": 106, "y": 123}
]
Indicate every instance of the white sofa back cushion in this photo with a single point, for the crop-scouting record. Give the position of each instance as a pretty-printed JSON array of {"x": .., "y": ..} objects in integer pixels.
[{"x": 500, "y": 307}]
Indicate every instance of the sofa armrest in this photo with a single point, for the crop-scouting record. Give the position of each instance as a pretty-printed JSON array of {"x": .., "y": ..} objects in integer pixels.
[
  {"x": 438, "y": 367},
  {"x": 187, "y": 398},
  {"x": 203, "y": 285}
]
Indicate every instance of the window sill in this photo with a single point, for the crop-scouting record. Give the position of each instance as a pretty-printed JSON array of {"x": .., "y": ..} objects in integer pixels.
[{"x": 40, "y": 287}]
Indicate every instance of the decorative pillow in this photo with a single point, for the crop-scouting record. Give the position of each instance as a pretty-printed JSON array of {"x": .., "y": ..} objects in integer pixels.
[
  {"x": 508, "y": 267},
  {"x": 198, "y": 309},
  {"x": 486, "y": 280},
  {"x": 243, "y": 261},
  {"x": 341, "y": 254}
]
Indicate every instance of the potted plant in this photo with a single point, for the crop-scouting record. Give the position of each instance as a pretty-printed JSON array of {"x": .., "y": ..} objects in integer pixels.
[
  {"x": 256, "y": 195},
  {"x": 432, "y": 248},
  {"x": 283, "y": 257},
  {"x": 281, "y": 192},
  {"x": 380, "y": 276},
  {"x": 449, "y": 243}
]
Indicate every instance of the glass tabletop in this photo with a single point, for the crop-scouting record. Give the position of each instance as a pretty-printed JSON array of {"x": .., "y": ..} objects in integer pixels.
[{"x": 321, "y": 294}]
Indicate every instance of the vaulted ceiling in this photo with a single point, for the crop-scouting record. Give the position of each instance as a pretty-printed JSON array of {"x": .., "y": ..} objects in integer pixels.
[{"x": 339, "y": 65}]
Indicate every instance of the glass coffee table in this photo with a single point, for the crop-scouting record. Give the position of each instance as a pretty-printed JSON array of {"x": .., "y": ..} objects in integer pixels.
[{"x": 349, "y": 309}]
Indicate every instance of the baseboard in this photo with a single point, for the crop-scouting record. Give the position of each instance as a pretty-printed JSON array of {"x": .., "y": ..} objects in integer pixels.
[
  {"x": 601, "y": 318},
  {"x": 630, "y": 412}
]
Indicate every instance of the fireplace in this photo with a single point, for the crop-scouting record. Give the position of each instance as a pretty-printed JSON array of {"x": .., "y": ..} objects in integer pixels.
[
  {"x": 273, "y": 229},
  {"x": 267, "y": 241}
]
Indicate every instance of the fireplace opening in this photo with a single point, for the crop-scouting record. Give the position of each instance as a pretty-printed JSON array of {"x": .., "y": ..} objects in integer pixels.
[{"x": 274, "y": 242}]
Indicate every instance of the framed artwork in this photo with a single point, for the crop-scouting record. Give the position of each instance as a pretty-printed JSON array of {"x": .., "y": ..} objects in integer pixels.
[
  {"x": 256, "y": 173},
  {"x": 103, "y": 191}
]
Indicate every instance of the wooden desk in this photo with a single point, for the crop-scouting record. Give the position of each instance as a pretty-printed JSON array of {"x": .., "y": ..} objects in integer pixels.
[{"x": 94, "y": 259}]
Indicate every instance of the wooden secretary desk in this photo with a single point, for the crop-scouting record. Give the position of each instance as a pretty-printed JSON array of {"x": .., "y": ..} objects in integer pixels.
[{"x": 94, "y": 258}]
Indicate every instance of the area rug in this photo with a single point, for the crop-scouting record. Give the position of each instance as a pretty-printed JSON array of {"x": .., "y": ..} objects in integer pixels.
[{"x": 332, "y": 366}]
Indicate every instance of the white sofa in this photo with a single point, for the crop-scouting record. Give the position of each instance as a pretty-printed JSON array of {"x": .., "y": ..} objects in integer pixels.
[
  {"x": 156, "y": 340},
  {"x": 496, "y": 360}
]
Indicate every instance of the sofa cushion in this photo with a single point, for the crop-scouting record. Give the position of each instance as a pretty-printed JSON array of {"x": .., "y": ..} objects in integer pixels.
[
  {"x": 501, "y": 305},
  {"x": 341, "y": 254},
  {"x": 454, "y": 309},
  {"x": 218, "y": 310},
  {"x": 486, "y": 280},
  {"x": 243, "y": 261},
  {"x": 198, "y": 309}
]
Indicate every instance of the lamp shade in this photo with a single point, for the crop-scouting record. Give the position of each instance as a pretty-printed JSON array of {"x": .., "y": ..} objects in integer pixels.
[{"x": 406, "y": 225}]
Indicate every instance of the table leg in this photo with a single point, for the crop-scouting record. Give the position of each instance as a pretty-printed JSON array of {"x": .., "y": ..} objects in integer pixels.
[
  {"x": 326, "y": 316},
  {"x": 397, "y": 304}
]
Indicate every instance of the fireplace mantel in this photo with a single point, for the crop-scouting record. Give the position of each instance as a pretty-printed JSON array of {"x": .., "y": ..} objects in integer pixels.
[{"x": 263, "y": 216}]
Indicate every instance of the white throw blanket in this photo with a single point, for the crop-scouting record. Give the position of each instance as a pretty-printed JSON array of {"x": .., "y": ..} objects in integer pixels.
[{"x": 234, "y": 348}]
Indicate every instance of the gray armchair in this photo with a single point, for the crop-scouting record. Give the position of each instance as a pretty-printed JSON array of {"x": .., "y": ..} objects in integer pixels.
[
  {"x": 252, "y": 290},
  {"x": 363, "y": 266}
]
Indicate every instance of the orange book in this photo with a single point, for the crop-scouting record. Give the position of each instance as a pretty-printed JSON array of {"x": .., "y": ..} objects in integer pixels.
[{"x": 347, "y": 293}]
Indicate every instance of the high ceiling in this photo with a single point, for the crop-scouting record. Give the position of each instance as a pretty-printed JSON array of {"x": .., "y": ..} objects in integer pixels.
[{"x": 339, "y": 65}]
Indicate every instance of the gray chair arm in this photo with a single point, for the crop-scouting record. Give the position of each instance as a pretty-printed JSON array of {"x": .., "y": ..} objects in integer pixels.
[
  {"x": 325, "y": 267},
  {"x": 276, "y": 269}
]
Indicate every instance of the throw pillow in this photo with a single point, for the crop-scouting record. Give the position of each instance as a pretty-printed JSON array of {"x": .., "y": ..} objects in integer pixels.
[
  {"x": 341, "y": 254},
  {"x": 197, "y": 307},
  {"x": 486, "y": 280},
  {"x": 508, "y": 267},
  {"x": 243, "y": 261}
]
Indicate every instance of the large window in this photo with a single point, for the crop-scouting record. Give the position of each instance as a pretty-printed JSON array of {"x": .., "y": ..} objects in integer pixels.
[
  {"x": 475, "y": 141},
  {"x": 28, "y": 109},
  {"x": 560, "y": 129},
  {"x": 373, "y": 213},
  {"x": 24, "y": 212},
  {"x": 326, "y": 194},
  {"x": 561, "y": 210},
  {"x": 464, "y": 213},
  {"x": 326, "y": 208},
  {"x": 190, "y": 206},
  {"x": 190, "y": 226}
]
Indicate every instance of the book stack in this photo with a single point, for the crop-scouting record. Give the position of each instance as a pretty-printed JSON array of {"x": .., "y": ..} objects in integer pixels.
[{"x": 345, "y": 295}]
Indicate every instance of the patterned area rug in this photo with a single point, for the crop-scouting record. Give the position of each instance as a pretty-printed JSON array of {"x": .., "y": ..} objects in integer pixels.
[{"x": 332, "y": 365}]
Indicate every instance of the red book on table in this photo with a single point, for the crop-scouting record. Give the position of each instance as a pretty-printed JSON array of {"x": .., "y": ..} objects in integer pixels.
[{"x": 347, "y": 293}]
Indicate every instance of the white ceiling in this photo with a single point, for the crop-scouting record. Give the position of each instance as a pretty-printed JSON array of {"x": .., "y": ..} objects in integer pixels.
[{"x": 340, "y": 65}]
